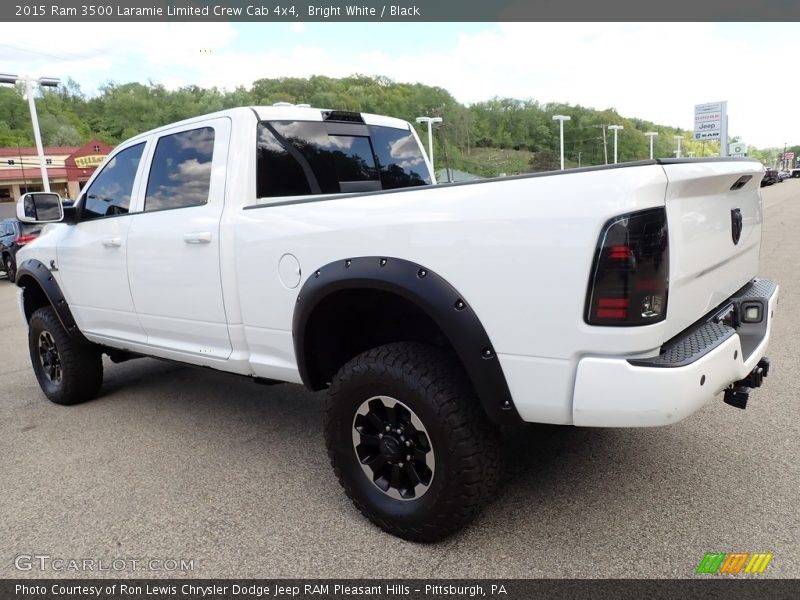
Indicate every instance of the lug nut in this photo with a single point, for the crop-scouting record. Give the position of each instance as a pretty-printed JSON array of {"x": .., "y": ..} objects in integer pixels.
[
  {"x": 400, "y": 465},
  {"x": 408, "y": 442},
  {"x": 388, "y": 428},
  {"x": 408, "y": 457}
]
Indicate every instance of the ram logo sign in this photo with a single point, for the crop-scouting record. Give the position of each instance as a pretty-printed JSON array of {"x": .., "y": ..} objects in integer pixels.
[{"x": 733, "y": 563}]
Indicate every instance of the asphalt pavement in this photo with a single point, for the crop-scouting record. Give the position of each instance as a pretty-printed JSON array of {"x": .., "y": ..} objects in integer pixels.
[{"x": 175, "y": 463}]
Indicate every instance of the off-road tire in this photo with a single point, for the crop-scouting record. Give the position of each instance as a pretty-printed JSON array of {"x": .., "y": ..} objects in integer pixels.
[
  {"x": 465, "y": 445},
  {"x": 81, "y": 364}
]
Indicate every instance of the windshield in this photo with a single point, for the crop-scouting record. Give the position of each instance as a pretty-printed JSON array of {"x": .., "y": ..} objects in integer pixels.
[{"x": 309, "y": 157}]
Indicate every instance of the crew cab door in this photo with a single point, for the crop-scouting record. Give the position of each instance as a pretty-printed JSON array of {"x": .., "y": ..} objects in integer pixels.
[
  {"x": 92, "y": 255},
  {"x": 173, "y": 243}
]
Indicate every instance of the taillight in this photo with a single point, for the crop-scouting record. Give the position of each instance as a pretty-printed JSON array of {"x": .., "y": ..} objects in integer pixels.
[
  {"x": 24, "y": 239},
  {"x": 630, "y": 273}
]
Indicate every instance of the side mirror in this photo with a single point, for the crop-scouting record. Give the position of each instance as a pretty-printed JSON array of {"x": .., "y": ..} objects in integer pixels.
[{"x": 40, "y": 207}]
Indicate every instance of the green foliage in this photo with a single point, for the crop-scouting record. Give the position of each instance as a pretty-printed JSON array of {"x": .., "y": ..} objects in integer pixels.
[{"x": 500, "y": 135}]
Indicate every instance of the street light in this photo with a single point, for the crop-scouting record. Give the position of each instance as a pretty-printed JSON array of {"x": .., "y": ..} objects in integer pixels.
[
  {"x": 561, "y": 119},
  {"x": 430, "y": 121},
  {"x": 616, "y": 128},
  {"x": 37, "y": 135},
  {"x": 678, "y": 138},
  {"x": 651, "y": 135}
]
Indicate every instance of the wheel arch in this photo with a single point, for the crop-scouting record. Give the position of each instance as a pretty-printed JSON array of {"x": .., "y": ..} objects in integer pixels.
[
  {"x": 40, "y": 289},
  {"x": 349, "y": 306}
]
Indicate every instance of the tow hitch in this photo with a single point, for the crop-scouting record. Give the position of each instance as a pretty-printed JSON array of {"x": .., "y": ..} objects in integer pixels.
[{"x": 738, "y": 392}]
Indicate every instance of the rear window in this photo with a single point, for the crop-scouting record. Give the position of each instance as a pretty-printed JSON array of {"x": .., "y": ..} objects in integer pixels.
[{"x": 303, "y": 157}]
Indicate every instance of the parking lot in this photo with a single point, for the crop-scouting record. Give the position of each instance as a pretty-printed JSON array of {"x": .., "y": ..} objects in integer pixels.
[{"x": 173, "y": 462}]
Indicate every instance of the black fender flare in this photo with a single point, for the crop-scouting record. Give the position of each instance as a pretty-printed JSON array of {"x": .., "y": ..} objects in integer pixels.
[
  {"x": 39, "y": 272},
  {"x": 435, "y": 297}
]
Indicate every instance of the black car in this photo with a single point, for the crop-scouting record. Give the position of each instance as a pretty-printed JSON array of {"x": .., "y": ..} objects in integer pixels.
[
  {"x": 770, "y": 177},
  {"x": 13, "y": 236}
]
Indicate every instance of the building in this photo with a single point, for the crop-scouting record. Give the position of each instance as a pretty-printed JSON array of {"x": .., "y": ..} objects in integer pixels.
[{"x": 68, "y": 169}]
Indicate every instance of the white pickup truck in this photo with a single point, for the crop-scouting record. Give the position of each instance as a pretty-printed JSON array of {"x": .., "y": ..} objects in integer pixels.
[{"x": 292, "y": 244}]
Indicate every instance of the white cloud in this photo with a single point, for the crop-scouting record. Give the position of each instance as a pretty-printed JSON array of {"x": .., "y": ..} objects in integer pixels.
[{"x": 654, "y": 71}]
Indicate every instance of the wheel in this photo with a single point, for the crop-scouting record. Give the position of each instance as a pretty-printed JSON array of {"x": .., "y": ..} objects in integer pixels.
[
  {"x": 69, "y": 371},
  {"x": 11, "y": 268},
  {"x": 409, "y": 442}
]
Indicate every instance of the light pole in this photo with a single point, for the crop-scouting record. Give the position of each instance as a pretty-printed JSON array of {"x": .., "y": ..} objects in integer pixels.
[
  {"x": 430, "y": 121},
  {"x": 37, "y": 135},
  {"x": 651, "y": 135},
  {"x": 678, "y": 138},
  {"x": 561, "y": 119},
  {"x": 616, "y": 128}
]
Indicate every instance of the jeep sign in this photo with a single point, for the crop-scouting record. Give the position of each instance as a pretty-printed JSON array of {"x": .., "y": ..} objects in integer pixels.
[{"x": 708, "y": 120}]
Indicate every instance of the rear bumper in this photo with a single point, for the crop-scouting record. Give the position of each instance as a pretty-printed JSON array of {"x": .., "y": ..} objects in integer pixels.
[{"x": 690, "y": 371}]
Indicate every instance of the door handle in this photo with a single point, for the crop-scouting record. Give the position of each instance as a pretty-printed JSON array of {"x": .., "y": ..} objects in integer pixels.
[
  {"x": 112, "y": 242},
  {"x": 197, "y": 237}
]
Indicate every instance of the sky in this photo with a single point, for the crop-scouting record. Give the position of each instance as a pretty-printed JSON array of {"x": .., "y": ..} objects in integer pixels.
[{"x": 652, "y": 71}]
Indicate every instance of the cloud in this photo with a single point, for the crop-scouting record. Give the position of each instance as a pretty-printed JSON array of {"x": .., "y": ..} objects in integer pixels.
[{"x": 653, "y": 71}]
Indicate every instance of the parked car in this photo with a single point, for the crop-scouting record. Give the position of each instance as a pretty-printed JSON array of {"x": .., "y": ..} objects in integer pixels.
[
  {"x": 784, "y": 175},
  {"x": 770, "y": 177},
  {"x": 13, "y": 236},
  {"x": 795, "y": 172}
]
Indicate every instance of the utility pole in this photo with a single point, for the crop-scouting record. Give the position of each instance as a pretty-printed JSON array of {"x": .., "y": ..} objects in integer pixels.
[
  {"x": 444, "y": 152},
  {"x": 37, "y": 135},
  {"x": 651, "y": 135},
  {"x": 616, "y": 129},
  {"x": 430, "y": 121},
  {"x": 678, "y": 138},
  {"x": 561, "y": 119}
]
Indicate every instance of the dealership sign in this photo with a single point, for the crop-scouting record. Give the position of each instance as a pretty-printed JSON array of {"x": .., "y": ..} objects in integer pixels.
[
  {"x": 710, "y": 120},
  {"x": 739, "y": 149},
  {"x": 86, "y": 162}
]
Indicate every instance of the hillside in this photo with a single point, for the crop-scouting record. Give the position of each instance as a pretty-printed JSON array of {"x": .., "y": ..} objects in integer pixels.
[{"x": 500, "y": 135}]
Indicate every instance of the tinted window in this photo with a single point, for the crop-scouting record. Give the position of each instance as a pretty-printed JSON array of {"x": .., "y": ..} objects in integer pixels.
[
  {"x": 278, "y": 173},
  {"x": 300, "y": 157},
  {"x": 399, "y": 158},
  {"x": 180, "y": 175},
  {"x": 110, "y": 193}
]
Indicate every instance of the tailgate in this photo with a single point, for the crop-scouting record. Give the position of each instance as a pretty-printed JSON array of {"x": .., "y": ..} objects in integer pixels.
[{"x": 714, "y": 219}]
